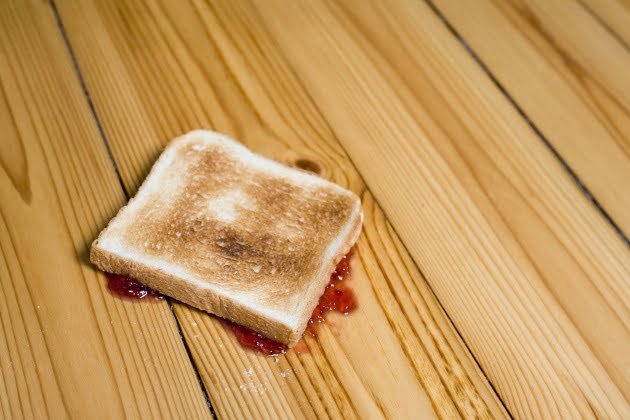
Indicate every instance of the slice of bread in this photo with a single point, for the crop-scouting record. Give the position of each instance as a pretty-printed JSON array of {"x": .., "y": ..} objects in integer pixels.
[{"x": 233, "y": 233}]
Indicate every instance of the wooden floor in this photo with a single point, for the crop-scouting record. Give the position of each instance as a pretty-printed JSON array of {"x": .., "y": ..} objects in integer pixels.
[{"x": 489, "y": 141}]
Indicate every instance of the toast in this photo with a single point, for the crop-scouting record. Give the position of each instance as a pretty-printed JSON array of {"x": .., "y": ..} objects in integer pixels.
[{"x": 233, "y": 233}]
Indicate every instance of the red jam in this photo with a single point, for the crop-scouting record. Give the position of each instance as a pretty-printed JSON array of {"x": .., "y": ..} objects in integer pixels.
[
  {"x": 337, "y": 297},
  {"x": 127, "y": 287},
  {"x": 252, "y": 340}
]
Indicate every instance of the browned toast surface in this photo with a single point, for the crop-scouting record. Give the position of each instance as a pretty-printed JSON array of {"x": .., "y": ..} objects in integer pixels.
[{"x": 215, "y": 220}]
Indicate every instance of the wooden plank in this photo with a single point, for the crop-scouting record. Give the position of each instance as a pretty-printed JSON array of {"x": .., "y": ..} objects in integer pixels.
[
  {"x": 561, "y": 261},
  {"x": 569, "y": 75},
  {"x": 613, "y": 13},
  {"x": 490, "y": 216},
  {"x": 156, "y": 70},
  {"x": 67, "y": 347}
]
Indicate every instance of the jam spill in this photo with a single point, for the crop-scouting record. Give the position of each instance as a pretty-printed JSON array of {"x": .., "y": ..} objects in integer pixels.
[
  {"x": 252, "y": 340},
  {"x": 126, "y": 287},
  {"x": 337, "y": 297}
]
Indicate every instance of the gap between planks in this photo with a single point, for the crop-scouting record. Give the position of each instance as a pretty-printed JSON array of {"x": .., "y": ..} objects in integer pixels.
[
  {"x": 103, "y": 137},
  {"x": 607, "y": 25},
  {"x": 340, "y": 67},
  {"x": 54, "y": 205},
  {"x": 581, "y": 185}
]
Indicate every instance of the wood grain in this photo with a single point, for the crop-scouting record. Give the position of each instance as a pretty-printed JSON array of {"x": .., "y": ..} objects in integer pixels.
[
  {"x": 569, "y": 75},
  {"x": 613, "y": 13},
  {"x": 67, "y": 348},
  {"x": 199, "y": 65},
  {"x": 537, "y": 230},
  {"x": 512, "y": 303}
]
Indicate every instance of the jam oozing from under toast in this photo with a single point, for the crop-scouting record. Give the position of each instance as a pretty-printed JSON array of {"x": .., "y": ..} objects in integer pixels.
[
  {"x": 252, "y": 340},
  {"x": 127, "y": 287},
  {"x": 337, "y": 297}
]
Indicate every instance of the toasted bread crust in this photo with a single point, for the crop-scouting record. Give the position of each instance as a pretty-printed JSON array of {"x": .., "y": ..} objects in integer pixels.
[
  {"x": 213, "y": 303},
  {"x": 232, "y": 233},
  {"x": 320, "y": 286}
]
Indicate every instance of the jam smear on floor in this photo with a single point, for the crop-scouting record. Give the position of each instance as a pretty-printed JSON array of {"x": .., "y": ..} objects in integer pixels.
[
  {"x": 127, "y": 287},
  {"x": 252, "y": 340},
  {"x": 337, "y": 297}
]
